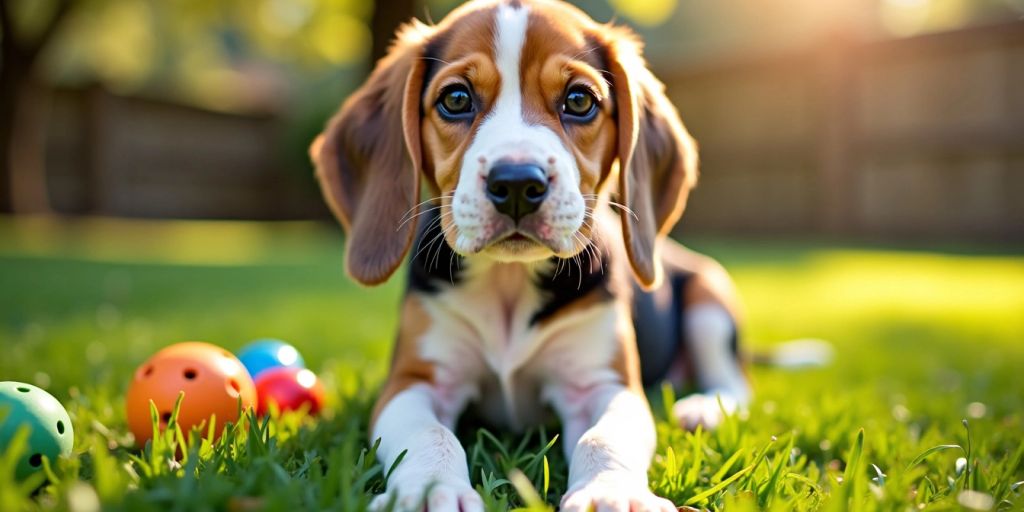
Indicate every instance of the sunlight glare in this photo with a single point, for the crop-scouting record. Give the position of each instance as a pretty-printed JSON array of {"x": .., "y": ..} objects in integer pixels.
[
  {"x": 306, "y": 379},
  {"x": 645, "y": 12},
  {"x": 287, "y": 355}
]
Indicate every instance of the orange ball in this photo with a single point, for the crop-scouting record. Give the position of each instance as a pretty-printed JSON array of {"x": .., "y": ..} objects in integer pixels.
[{"x": 212, "y": 378}]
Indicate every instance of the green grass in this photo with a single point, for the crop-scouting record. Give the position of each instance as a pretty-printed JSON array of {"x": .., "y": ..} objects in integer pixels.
[{"x": 924, "y": 340}]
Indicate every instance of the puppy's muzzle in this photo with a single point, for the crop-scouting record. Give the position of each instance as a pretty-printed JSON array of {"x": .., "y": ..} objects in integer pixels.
[{"x": 517, "y": 189}]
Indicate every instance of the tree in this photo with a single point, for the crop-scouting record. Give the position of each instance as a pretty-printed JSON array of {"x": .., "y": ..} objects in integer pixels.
[
  {"x": 19, "y": 50},
  {"x": 387, "y": 16}
]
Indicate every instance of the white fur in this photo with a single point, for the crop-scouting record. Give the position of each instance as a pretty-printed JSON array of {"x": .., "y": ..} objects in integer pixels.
[
  {"x": 608, "y": 465},
  {"x": 485, "y": 350},
  {"x": 505, "y": 135},
  {"x": 435, "y": 460},
  {"x": 709, "y": 330}
]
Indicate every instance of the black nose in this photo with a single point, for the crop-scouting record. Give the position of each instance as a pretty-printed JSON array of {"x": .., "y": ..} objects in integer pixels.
[{"x": 517, "y": 189}]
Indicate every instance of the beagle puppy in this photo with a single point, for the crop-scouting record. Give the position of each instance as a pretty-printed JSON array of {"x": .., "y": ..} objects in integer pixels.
[{"x": 540, "y": 278}]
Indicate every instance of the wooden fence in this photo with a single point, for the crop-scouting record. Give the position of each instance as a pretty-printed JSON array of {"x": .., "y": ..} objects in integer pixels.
[
  {"x": 920, "y": 137},
  {"x": 115, "y": 155}
]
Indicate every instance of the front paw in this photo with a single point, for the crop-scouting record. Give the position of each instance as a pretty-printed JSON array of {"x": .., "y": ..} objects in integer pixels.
[
  {"x": 441, "y": 495},
  {"x": 703, "y": 410},
  {"x": 614, "y": 495}
]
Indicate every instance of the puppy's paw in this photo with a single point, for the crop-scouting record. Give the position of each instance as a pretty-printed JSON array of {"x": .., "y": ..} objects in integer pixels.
[
  {"x": 703, "y": 409},
  {"x": 613, "y": 495},
  {"x": 450, "y": 495}
]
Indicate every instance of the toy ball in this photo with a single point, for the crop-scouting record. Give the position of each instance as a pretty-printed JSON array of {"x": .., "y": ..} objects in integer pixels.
[
  {"x": 267, "y": 353},
  {"x": 290, "y": 389},
  {"x": 50, "y": 431},
  {"x": 212, "y": 378}
]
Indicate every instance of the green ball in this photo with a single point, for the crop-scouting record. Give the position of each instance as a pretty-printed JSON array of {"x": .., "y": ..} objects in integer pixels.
[{"x": 48, "y": 422}]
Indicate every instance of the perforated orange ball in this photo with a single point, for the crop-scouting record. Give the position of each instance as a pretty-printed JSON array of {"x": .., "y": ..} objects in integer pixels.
[{"x": 212, "y": 378}]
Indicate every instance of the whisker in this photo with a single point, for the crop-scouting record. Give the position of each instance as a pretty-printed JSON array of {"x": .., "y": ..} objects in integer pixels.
[
  {"x": 625, "y": 209},
  {"x": 595, "y": 239},
  {"x": 442, "y": 61},
  {"x": 598, "y": 257},
  {"x": 430, "y": 200},
  {"x": 421, "y": 203},
  {"x": 591, "y": 244},
  {"x": 579, "y": 265},
  {"x": 584, "y": 243},
  {"x": 451, "y": 263},
  {"x": 427, "y": 248},
  {"x": 429, "y": 227},
  {"x": 424, "y": 212},
  {"x": 578, "y": 239},
  {"x": 584, "y": 52},
  {"x": 420, "y": 247},
  {"x": 440, "y": 245},
  {"x": 433, "y": 262}
]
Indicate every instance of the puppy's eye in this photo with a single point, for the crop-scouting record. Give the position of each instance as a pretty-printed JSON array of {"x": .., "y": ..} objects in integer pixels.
[
  {"x": 580, "y": 105},
  {"x": 455, "y": 102}
]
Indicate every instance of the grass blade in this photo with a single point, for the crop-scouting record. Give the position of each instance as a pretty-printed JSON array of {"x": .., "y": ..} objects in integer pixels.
[
  {"x": 721, "y": 485},
  {"x": 717, "y": 477},
  {"x": 920, "y": 458}
]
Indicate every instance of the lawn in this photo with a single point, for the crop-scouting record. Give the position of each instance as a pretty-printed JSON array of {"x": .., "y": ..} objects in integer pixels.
[{"x": 929, "y": 352}]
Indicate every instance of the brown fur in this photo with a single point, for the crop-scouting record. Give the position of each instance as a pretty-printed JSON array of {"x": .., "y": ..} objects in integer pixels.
[
  {"x": 407, "y": 368},
  {"x": 657, "y": 157},
  {"x": 626, "y": 362},
  {"x": 368, "y": 161}
]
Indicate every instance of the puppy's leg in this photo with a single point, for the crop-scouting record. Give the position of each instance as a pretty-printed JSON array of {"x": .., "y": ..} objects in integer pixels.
[
  {"x": 434, "y": 459},
  {"x": 608, "y": 432},
  {"x": 709, "y": 333},
  {"x": 710, "y": 313},
  {"x": 609, "y": 461},
  {"x": 416, "y": 415}
]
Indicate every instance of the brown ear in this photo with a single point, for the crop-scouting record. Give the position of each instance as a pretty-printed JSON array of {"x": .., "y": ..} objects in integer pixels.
[
  {"x": 368, "y": 160},
  {"x": 657, "y": 157}
]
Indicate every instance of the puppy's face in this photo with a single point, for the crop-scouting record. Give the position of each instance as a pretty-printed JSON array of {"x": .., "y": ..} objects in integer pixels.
[
  {"x": 515, "y": 112},
  {"x": 517, "y": 132}
]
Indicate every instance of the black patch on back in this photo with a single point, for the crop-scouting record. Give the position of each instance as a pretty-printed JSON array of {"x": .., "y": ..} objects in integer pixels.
[
  {"x": 658, "y": 317},
  {"x": 433, "y": 261},
  {"x": 570, "y": 280},
  {"x": 659, "y": 320}
]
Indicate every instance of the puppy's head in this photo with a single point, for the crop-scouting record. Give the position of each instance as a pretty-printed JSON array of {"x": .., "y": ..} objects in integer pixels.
[{"x": 517, "y": 115}]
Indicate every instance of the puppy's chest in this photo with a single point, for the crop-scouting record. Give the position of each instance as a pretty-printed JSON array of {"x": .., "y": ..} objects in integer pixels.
[{"x": 489, "y": 344}]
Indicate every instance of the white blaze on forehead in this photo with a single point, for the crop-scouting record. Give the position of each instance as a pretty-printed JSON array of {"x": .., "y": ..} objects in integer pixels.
[{"x": 509, "y": 37}]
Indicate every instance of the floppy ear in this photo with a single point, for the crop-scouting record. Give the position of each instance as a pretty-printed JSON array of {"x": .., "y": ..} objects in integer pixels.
[
  {"x": 657, "y": 157},
  {"x": 368, "y": 160}
]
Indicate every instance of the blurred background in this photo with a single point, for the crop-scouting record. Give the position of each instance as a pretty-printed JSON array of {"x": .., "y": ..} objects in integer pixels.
[{"x": 872, "y": 119}]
